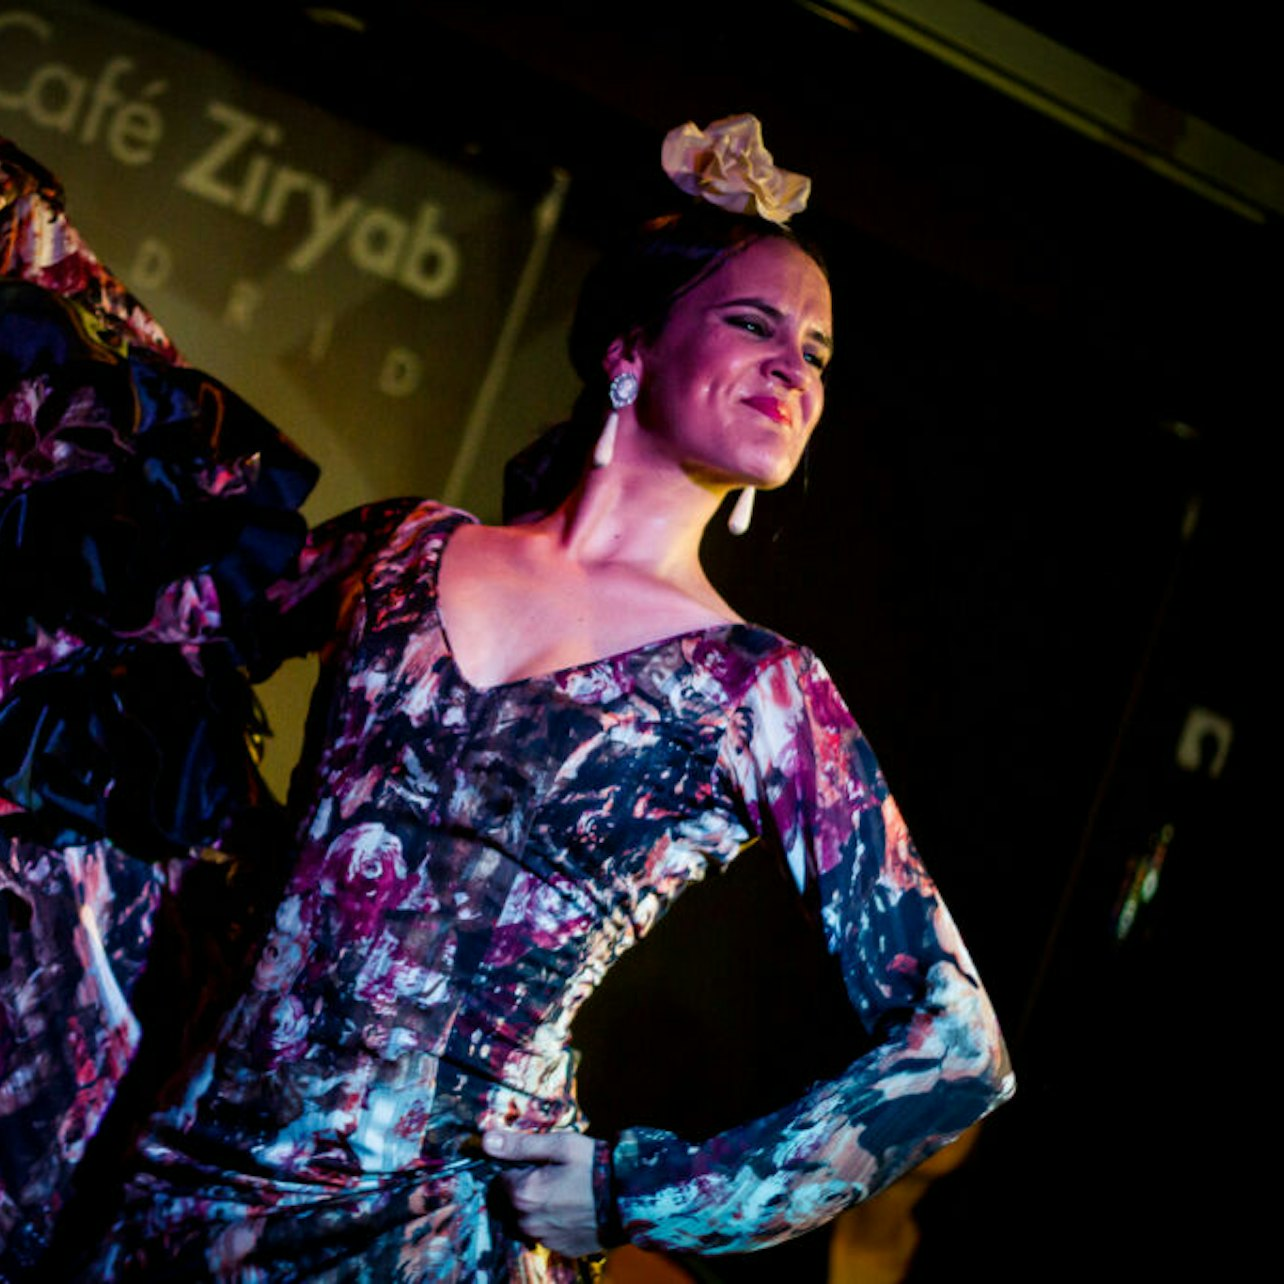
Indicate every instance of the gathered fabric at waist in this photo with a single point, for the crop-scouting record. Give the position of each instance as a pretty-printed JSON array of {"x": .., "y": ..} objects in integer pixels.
[{"x": 186, "y": 1216}]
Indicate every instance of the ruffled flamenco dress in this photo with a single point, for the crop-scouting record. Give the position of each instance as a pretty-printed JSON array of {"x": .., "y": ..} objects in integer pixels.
[{"x": 144, "y": 513}]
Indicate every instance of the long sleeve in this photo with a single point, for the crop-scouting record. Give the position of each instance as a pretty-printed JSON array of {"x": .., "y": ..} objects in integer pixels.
[{"x": 808, "y": 782}]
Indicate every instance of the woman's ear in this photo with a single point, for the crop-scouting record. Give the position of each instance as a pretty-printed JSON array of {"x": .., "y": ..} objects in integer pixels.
[{"x": 623, "y": 353}]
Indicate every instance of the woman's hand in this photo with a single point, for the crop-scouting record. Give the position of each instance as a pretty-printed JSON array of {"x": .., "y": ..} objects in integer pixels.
[{"x": 550, "y": 1187}]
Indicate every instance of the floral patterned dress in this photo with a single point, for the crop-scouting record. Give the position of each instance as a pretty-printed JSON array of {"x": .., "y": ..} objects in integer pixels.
[{"x": 471, "y": 862}]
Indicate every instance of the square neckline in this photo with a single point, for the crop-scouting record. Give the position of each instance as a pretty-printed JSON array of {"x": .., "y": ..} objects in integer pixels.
[{"x": 549, "y": 677}]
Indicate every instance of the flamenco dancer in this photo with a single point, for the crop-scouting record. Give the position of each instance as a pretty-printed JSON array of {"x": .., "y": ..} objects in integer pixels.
[{"x": 530, "y": 739}]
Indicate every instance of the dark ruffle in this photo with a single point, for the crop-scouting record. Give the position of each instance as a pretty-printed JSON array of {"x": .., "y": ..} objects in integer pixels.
[
  {"x": 129, "y": 742},
  {"x": 122, "y": 474}
]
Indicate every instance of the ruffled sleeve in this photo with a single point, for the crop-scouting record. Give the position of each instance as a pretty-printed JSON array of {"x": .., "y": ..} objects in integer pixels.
[
  {"x": 809, "y": 783},
  {"x": 145, "y": 512}
]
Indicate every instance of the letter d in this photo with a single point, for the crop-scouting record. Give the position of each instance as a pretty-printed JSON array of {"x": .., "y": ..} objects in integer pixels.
[{"x": 401, "y": 372}]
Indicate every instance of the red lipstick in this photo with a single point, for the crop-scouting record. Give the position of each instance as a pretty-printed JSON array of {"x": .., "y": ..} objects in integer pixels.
[{"x": 773, "y": 408}]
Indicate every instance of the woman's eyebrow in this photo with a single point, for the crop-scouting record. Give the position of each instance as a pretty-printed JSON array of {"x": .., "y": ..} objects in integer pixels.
[
  {"x": 770, "y": 310},
  {"x": 750, "y": 302}
]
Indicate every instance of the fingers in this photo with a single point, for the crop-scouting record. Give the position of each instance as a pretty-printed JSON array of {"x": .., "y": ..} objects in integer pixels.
[
  {"x": 528, "y": 1192},
  {"x": 531, "y": 1147}
]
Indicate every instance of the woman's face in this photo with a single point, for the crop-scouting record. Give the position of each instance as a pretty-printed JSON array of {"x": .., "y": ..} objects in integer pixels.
[{"x": 731, "y": 387}]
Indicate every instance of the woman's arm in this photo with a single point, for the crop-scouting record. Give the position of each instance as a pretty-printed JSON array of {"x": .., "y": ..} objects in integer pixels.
[{"x": 810, "y": 783}]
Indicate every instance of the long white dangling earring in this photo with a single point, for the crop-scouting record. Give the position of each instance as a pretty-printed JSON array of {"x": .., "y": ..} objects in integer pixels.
[
  {"x": 623, "y": 392},
  {"x": 742, "y": 513}
]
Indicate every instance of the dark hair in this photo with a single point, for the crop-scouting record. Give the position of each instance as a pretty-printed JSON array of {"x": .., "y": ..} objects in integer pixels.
[{"x": 630, "y": 289}]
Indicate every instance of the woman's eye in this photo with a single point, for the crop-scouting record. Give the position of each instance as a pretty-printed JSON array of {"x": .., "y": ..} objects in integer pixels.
[
  {"x": 753, "y": 325},
  {"x": 818, "y": 360}
]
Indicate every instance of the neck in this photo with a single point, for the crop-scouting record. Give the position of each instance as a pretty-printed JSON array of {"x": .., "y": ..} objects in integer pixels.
[{"x": 645, "y": 517}]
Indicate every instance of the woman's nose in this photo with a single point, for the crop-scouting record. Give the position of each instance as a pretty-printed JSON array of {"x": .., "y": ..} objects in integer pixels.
[{"x": 786, "y": 365}]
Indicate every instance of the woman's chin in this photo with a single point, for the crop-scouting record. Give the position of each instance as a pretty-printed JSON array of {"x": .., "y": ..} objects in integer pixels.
[
  {"x": 762, "y": 474},
  {"x": 771, "y": 478}
]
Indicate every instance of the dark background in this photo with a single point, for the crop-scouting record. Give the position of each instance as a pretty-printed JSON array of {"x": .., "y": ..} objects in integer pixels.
[{"x": 1051, "y": 362}]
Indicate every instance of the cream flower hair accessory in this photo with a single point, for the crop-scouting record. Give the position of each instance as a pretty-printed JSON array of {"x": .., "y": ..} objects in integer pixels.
[{"x": 727, "y": 165}]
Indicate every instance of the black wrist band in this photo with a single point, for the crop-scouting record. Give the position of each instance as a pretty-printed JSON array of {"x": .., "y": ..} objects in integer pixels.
[{"x": 610, "y": 1230}]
